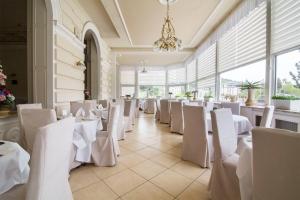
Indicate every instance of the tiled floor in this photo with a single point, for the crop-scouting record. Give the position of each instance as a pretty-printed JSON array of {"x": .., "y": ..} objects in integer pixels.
[{"x": 149, "y": 168}]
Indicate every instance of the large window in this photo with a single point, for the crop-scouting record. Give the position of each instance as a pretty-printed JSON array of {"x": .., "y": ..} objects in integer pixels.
[
  {"x": 152, "y": 84},
  {"x": 177, "y": 91},
  {"x": 127, "y": 90},
  {"x": 287, "y": 73},
  {"x": 231, "y": 80},
  {"x": 206, "y": 87},
  {"x": 151, "y": 91},
  {"x": 176, "y": 76},
  {"x": 191, "y": 71}
]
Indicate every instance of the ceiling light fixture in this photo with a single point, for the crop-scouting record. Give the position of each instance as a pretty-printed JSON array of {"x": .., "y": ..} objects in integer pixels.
[
  {"x": 144, "y": 67},
  {"x": 168, "y": 41}
]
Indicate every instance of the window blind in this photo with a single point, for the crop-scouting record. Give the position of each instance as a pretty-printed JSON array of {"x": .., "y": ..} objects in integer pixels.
[
  {"x": 152, "y": 78},
  {"x": 191, "y": 71},
  {"x": 207, "y": 62},
  {"x": 127, "y": 77},
  {"x": 285, "y": 24},
  {"x": 206, "y": 83},
  {"x": 245, "y": 42},
  {"x": 176, "y": 76}
]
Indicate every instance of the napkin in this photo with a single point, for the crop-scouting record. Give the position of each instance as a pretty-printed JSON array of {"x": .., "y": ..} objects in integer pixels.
[{"x": 100, "y": 107}]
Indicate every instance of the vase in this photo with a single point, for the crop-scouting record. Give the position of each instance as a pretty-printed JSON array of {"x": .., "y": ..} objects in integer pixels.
[
  {"x": 250, "y": 100},
  {"x": 5, "y": 110}
]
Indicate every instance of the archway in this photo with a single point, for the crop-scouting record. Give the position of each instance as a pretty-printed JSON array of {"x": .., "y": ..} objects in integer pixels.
[{"x": 91, "y": 38}]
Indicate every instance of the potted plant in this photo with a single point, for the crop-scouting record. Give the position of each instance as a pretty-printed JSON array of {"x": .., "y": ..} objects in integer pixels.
[
  {"x": 195, "y": 94},
  {"x": 208, "y": 98},
  {"x": 170, "y": 95},
  {"x": 285, "y": 102},
  {"x": 188, "y": 95},
  {"x": 251, "y": 87},
  {"x": 6, "y": 97}
]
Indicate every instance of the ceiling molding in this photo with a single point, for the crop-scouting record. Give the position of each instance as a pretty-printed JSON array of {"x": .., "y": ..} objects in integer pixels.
[{"x": 149, "y": 50}]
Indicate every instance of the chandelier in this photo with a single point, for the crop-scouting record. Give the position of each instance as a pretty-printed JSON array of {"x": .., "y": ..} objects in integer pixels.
[
  {"x": 144, "y": 67},
  {"x": 168, "y": 41}
]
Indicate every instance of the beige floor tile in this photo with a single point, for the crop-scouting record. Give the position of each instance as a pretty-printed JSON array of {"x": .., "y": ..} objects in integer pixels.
[
  {"x": 82, "y": 177},
  {"x": 148, "y": 152},
  {"x": 188, "y": 169},
  {"x": 147, "y": 191},
  {"x": 104, "y": 172},
  {"x": 171, "y": 182},
  {"x": 148, "y": 169},
  {"x": 196, "y": 191},
  {"x": 124, "y": 181},
  {"x": 163, "y": 147},
  {"x": 176, "y": 151},
  {"x": 165, "y": 160},
  {"x": 204, "y": 178},
  {"x": 124, "y": 151},
  {"x": 95, "y": 191},
  {"x": 134, "y": 146},
  {"x": 132, "y": 159}
]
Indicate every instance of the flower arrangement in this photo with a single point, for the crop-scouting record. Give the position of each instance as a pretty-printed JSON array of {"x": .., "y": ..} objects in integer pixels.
[{"x": 6, "y": 97}]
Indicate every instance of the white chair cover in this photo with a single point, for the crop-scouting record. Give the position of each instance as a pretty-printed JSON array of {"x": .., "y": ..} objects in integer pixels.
[
  {"x": 209, "y": 106},
  {"x": 104, "y": 152},
  {"x": 128, "y": 114},
  {"x": 235, "y": 107},
  {"x": 103, "y": 102},
  {"x": 177, "y": 117},
  {"x": 157, "y": 113},
  {"x": 137, "y": 107},
  {"x": 149, "y": 107},
  {"x": 276, "y": 164},
  {"x": 33, "y": 119},
  {"x": 90, "y": 105},
  {"x": 267, "y": 117},
  {"x": 164, "y": 111},
  {"x": 49, "y": 171},
  {"x": 194, "y": 102},
  {"x": 75, "y": 106},
  {"x": 197, "y": 144},
  {"x": 224, "y": 183},
  {"x": 20, "y": 107},
  {"x": 121, "y": 128}
]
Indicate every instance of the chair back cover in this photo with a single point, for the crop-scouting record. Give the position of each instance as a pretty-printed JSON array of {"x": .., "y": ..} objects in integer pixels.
[
  {"x": 235, "y": 107},
  {"x": 60, "y": 109},
  {"x": 33, "y": 119},
  {"x": 75, "y": 106},
  {"x": 103, "y": 102},
  {"x": 127, "y": 107},
  {"x": 89, "y": 105},
  {"x": 164, "y": 111},
  {"x": 209, "y": 106},
  {"x": 267, "y": 117},
  {"x": 224, "y": 134},
  {"x": 49, "y": 171},
  {"x": 149, "y": 106},
  {"x": 157, "y": 113},
  {"x": 195, "y": 137},
  {"x": 177, "y": 117},
  {"x": 19, "y": 108},
  {"x": 276, "y": 164}
]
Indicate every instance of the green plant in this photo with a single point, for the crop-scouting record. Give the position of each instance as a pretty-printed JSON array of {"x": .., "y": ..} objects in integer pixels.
[
  {"x": 188, "y": 94},
  {"x": 251, "y": 85},
  {"x": 282, "y": 97}
]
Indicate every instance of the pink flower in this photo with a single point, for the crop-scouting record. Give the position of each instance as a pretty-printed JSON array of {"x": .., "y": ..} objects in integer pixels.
[{"x": 2, "y": 97}]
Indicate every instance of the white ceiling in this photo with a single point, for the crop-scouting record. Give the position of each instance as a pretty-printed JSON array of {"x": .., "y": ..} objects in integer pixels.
[{"x": 131, "y": 26}]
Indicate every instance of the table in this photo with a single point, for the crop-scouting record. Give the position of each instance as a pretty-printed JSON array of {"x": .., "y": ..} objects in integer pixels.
[
  {"x": 244, "y": 168},
  {"x": 241, "y": 124},
  {"x": 84, "y": 135},
  {"x": 14, "y": 168}
]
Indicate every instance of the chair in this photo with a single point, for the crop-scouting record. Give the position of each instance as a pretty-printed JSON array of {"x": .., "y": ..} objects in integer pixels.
[
  {"x": 196, "y": 102},
  {"x": 149, "y": 106},
  {"x": 235, "y": 107},
  {"x": 89, "y": 105},
  {"x": 103, "y": 102},
  {"x": 121, "y": 128},
  {"x": 209, "y": 106},
  {"x": 267, "y": 117},
  {"x": 157, "y": 112},
  {"x": 33, "y": 119},
  {"x": 137, "y": 107},
  {"x": 75, "y": 106},
  {"x": 104, "y": 152},
  {"x": 197, "y": 144},
  {"x": 164, "y": 111},
  {"x": 276, "y": 164},
  {"x": 177, "y": 117},
  {"x": 20, "y": 107},
  {"x": 129, "y": 106},
  {"x": 224, "y": 183},
  {"x": 48, "y": 178}
]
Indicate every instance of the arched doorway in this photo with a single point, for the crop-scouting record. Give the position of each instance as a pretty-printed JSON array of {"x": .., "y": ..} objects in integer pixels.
[{"x": 92, "y": 61}]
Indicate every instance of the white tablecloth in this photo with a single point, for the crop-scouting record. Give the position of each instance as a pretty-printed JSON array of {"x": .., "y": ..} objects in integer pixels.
[
  {"x": 241, "y": 124},
  {"x": 244, "y": 169},
  {"x": 14, "y": 168},
  {"x": 84, "y": 135},
  {"x": 102, "y": 113}
]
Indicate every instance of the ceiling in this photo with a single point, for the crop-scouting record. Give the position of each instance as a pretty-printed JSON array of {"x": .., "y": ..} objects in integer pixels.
[{"x": 131, "y": 26}]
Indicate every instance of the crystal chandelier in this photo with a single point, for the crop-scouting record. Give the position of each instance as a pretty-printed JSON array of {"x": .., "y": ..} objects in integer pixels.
[
  {"x": 168, "y": 41},
  {"x": 144, "y": 67}
]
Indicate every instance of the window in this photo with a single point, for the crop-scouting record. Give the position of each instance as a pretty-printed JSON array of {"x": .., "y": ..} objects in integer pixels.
[
  {"x": 127, "y": 77},
  {"x": 152, "y": 78},
  {"x": 176, "y": 76},
  {"x": 177, "y": 91},
  {"x": 151, "y": 91},
  {"x": 191, "y": 71},
  {"x": 206, "y": 87},
  {"x": 191, "y": 87},
  {"x": 231, "y": 80},
  {"x": 288, "y": 66},
  {"x": 127, "y": 91}
]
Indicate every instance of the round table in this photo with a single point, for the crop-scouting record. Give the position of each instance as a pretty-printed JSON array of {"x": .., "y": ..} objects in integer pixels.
[{"x": 14, "y": 168}]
